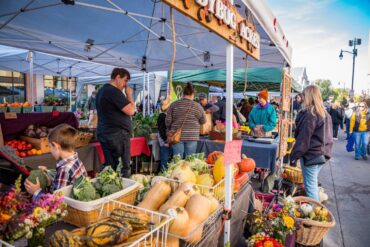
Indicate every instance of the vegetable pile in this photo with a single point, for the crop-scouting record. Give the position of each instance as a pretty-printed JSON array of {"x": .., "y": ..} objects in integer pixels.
[
  {"x": 107, "y": 183},
  {"x": 143, "y": 126},
  {"x": 35, "y": 131}
]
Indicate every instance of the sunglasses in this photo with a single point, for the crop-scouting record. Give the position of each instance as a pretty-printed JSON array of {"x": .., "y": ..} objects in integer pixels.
[{"x": 362, "y": 106}]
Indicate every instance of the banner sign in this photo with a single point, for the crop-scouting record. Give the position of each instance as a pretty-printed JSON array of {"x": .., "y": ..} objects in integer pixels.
[{"x": 222, "y": 18}]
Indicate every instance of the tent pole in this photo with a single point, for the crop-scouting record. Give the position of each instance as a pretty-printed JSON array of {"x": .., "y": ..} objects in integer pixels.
[
  {"x": 30, "y": 59},
  {"x": 229, "y": 135},
  {"x": 70, "y": 88},
  {"x": 143, "y": 100},
  {"x": 148, "y": 102}
]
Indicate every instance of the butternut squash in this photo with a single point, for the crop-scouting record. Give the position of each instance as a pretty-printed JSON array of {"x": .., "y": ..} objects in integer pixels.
[
  {"x": 180, "y": 223},
  {"x": 190, "y": 187},
  {"x": 178, "y": 199},
  {"x": 198, "y": 208},
  {"x": 156, "y": 196},
  {"x": 172, "y": 242},
  {"x": 214, "y": 204},
  {"x": 195, "y": 233}
]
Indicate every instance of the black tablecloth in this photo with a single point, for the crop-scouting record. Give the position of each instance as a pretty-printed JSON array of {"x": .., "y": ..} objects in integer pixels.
[
  {"x": 88, "y": 155},
  {"x": 13, "y": 127},
  {"x": 264, "y": 154}
]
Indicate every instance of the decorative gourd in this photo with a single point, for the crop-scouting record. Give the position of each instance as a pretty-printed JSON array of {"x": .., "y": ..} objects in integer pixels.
[
  {"x": 183, "y": 173},
  {"x": 135, "y": 236},
  {"x": 212, "y": 157},
  {"x": 219, "y": 169},
  {"x": 205, "y": 179},
  {"x": 180, "y": 223},
  {"x": 191, "y": 188},
  {"x": 247, "y": 164},
  {"x": 156, "y": 196},
  {"x": 178, "y": 199},
  {"x": 63, "y": 238},
  {"x": 79, "y": 232},
  {"x": 195, "y": 231},
  {"x": 107, "y": 233},
  {"x": 198, "y": 208},
  {"x": 136, "y": 218}
]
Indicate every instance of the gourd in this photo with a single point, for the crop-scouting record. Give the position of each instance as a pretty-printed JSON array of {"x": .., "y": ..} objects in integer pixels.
[
  {"x": 63, "y": 238},
  {"x": 191, "y": 188},
  {"x": 212, "y": 157},
  {"x": 172, "y": 242},
  {"x": 156, "y": 196},
  {"x": 178, "y": 199},
  {"x": 214, "y": 204},
  {"x": 195, "y": 236},
  {"x": 247, "y": 164},
  {"x": 198, "y": 208},
  {"x": 136, "y": 218},
  {"x": 135, "y": 236},
  {"x": 219, "y": 169},
  {"x": 180, "y": 223},
  {"x": 183, "y": 173},
  {"x": 79, "y": 232},
  {"x": 107, "y": 233}
]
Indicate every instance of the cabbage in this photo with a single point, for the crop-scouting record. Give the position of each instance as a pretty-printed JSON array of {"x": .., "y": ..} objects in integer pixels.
[{"x": 83, "y": 190}]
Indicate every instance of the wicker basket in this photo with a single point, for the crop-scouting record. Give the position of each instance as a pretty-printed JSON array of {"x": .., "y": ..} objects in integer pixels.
[
  {"x": 83, "y": 139},
  {"x": 294, "y": 174},
  {"x": 312, "y": 232},
  {"x": 84, "y": 213}
]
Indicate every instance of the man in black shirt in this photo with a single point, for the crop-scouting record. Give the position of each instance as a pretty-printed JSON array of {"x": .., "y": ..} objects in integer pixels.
[{"x": 114, "y": 120}]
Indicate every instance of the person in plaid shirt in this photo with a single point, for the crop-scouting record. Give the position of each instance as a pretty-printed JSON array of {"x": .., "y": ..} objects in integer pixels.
[{"x": 68, "y": 168}]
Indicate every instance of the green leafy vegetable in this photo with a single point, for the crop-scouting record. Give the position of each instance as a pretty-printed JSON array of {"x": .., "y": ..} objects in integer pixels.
[{"x": 83, "y": 190}]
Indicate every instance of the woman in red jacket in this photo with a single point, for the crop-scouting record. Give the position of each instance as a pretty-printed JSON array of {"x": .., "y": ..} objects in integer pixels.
[{"x": 314, "y": 139}]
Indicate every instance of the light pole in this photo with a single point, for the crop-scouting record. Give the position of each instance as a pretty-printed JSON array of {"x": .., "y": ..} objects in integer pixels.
[{"x": 351, "y": 43}]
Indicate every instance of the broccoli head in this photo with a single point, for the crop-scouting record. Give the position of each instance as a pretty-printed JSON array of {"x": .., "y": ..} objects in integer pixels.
[{"x": 83, "y": 190}]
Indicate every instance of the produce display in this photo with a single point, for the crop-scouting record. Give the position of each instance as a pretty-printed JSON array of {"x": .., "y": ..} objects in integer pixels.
[
  {"x": 143, "y": 126},
  {"x": 108, "y": 182},
  {"x": 23, "y": 148},
  {"x": 16, "y": 104},
  {"x": 308, "y": 211},
  {"x": 35, "y": 131}
]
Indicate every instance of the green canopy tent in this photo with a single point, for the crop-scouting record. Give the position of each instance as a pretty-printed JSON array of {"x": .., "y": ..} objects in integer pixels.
[{"x": 257, "y": 78}]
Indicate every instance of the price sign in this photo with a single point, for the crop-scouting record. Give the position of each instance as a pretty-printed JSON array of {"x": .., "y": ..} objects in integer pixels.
[
  {"x": 10, "y": 115},
  {"x": 233, "y": 152}
]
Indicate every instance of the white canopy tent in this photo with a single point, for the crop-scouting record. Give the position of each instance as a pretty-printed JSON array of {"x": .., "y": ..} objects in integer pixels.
[{"x": 137, "y": 35}]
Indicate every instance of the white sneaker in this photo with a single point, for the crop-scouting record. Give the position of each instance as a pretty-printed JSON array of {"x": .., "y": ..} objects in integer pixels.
[{"x": 335, "y": 139}]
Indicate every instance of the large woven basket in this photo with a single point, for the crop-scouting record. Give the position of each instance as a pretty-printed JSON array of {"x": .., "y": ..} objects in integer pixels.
[
  {"x": 294, "y": 174},
  {"x": 310, "y": 232}
]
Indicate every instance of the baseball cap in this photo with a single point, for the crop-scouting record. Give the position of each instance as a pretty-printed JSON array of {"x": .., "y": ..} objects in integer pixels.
[{"x": 202, "y": 96}]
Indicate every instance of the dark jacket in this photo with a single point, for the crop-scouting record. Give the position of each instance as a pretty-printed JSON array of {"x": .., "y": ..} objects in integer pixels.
[
  {"x": 314, "y": 136},
  {"x": 161, "y": 124},
  {"x": 246, "y": 109},
  {"x": 336, "y": 117},
  {"x": 297, "y": 106}
]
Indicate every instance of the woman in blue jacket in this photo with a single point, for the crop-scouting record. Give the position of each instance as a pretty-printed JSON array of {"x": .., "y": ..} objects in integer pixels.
[{"x": 262, "y": 119}]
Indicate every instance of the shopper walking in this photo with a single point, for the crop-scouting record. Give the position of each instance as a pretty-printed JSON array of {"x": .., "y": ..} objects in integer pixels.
[
  {"x": 337, "y": 119},
  {"x": 359, "y": 128},
  {"x": 314, "y": 139},
  {"x": 114, "y": 120},
  {"x": 187, "y": 115},
  {"x": 348, "y": 114}
]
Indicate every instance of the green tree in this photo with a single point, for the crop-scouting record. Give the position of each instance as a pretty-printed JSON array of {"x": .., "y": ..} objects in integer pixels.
[
  {"x": 341, "y": 94},
  {"x": 325, "y": 86}
]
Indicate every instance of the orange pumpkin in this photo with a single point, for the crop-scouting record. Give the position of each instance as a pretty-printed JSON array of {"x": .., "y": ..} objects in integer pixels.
[
  {"x": 247, "y": 164},
  {"x": 212, "y": 157}
]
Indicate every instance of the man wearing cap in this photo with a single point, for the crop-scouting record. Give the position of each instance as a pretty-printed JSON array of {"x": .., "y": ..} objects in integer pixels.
[
  {"x": 262, "y": 119},
  {"x": 208, "y": 107}
]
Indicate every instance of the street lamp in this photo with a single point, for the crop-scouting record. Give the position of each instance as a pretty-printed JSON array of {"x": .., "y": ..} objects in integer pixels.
[{"x": 351, "y": 43}]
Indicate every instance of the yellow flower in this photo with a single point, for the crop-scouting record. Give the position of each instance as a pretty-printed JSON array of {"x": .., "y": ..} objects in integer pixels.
[
  {"x": 288, "y": 221},
  {"x": 37, "y": 211}
]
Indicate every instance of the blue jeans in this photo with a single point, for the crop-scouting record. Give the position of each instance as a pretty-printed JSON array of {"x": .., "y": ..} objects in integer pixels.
[
  {"x": 184, "y": 148},
  {"x": 164, "y": 153},
  {"x": 347, "y": 127},
  {"x": 310, "y": 180},
  {"x": 361, "y": 139}
]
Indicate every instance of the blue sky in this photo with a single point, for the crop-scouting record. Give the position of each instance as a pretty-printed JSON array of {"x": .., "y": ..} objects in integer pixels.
[{"x": 319, "y": 29}]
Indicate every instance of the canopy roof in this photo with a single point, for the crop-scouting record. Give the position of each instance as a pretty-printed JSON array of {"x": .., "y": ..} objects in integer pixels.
[
  {"x": 131, "y": 34},
  {"x": 45, "y": 64},
  {"x": 257, "y": 78}
]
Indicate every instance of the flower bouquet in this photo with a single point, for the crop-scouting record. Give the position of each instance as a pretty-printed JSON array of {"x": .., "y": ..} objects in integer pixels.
[
  {"x": 262, "y": 240},
  {"x": 21, "y": 217}
]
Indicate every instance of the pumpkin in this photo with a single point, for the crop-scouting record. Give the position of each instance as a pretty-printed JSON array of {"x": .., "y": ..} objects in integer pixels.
[
  {"x": 195, "y": 233},
  {"x": 205, "y": 179},
  {"x": 156, "y": 196},
  {"x": 107, "y": 233},
  {"x": 212, "y": 157},
  {"x": 63, "y": 238},
  {"x": 180, "y": 223},
  {"x": 247, "y": 164},
  {"x": 178, "y": 199},
  {"x": 191, "y": 188},
  {"x": 198, "y": 208},
  {"x": 183, "y": 173},
  {"x": 219, "y": 169},
  {"x": 136, "y": 218}
]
